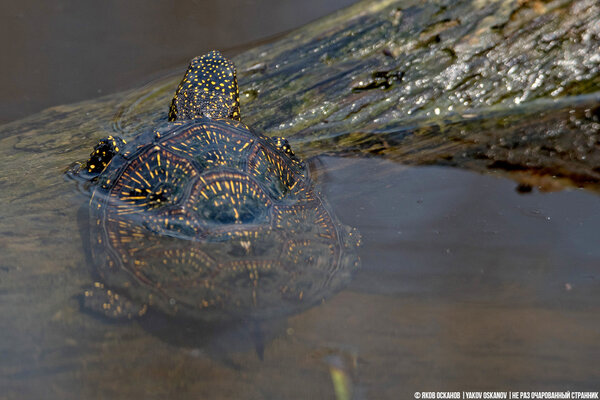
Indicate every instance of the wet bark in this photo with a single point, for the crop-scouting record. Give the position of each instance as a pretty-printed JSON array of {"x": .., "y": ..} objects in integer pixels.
[
  {"x": 504, "y": 86},
  {"x": 507, "y": 86}
]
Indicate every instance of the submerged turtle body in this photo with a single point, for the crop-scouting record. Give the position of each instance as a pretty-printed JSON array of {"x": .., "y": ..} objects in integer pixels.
[{"x": 204, "y": 218}]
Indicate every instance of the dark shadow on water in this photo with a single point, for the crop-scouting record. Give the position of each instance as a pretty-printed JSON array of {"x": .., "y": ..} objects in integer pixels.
[{"x": 215, "y": 340}]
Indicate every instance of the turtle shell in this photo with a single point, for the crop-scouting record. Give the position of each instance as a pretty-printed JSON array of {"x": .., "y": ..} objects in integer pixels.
[{"x": 209, "y": 220}]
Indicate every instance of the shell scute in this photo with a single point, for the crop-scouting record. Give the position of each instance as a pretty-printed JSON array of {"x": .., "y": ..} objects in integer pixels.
[{"x": 203, "y": 218}]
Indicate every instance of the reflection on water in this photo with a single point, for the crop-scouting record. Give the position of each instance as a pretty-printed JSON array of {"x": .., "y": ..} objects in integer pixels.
[
  {"x": 471, "y": 283},
  {"x": 465, "y": 284},
  {"x": 464, "y": 228}
]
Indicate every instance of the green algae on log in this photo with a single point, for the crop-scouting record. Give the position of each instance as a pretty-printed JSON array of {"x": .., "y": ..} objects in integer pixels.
[
  {"x": 510, "y": 86},
  {"x": 439, "y": 82}
]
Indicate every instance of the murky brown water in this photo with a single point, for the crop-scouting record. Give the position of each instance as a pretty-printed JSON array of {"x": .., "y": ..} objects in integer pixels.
[
  {"x": 64, "y": 51},
  {"x": 465, "y": 285}
]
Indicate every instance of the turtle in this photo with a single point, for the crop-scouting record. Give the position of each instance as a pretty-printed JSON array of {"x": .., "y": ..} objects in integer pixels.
[{"x": 201, "y": 217}]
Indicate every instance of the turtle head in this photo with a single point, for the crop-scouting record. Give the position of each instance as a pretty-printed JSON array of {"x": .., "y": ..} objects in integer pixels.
[{"x": 208, "y": 89}]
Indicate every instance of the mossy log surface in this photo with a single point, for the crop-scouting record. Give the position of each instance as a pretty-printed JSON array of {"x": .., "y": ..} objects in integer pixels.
[
  {"x": 503, "y": 85},
  {"x": 506, "y": 86}
]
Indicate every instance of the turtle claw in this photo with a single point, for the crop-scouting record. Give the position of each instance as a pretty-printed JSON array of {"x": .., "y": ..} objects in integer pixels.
[{"x": 111, "y": 304}]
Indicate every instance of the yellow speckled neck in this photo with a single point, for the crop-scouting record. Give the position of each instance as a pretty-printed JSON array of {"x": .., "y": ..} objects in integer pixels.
[{"x": 208, "y": 89}]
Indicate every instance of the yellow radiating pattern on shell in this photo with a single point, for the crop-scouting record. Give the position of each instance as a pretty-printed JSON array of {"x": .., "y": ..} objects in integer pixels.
[
  {"x": 205, "y": 219},
  {"x": 208, "y": 89}
]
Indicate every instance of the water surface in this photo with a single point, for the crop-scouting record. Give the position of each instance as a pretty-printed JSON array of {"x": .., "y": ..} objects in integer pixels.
[
  {"x": 465, "y": 283},
  {"x": 64, "y": 51}
]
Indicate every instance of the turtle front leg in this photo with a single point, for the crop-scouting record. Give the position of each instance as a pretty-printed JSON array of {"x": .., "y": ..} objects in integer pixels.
[
  {"x": 103, "y": 152},
  {"x": 111, "y": 304}
]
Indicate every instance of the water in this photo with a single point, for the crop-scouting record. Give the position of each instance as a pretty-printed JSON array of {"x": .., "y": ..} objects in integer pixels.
[
  {"x": 67, "y": 51},
  {"x": 465, "y": 284}
]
